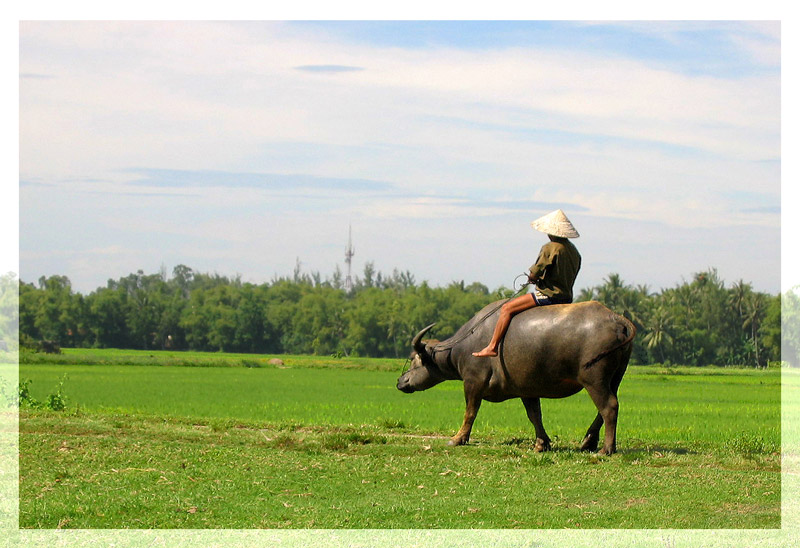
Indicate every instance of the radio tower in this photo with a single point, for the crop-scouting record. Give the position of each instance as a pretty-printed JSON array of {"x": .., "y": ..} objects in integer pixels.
[{"x": 348, "y": 258}]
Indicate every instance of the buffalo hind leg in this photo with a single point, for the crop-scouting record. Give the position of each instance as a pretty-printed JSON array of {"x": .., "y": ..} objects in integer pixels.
[
  {"x": 608, "y": 406},
  {"x": 473, "y": 394},
  {"x": 592, "y": 438},
  {"x": 592, "y": 435},
  {"x": 533, "y": 407}
]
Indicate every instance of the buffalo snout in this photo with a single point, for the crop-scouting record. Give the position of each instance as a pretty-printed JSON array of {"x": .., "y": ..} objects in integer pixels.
[{"x": 403, "y": 385}]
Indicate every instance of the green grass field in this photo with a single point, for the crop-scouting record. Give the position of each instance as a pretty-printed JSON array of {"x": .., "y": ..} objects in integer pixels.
[{"x": 190, "y": 440}]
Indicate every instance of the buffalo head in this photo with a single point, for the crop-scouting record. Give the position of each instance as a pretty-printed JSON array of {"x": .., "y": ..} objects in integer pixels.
[{"x": 423, "y": 372}]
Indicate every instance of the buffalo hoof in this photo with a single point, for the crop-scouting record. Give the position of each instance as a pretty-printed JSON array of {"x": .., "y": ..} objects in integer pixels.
[
  {"x": 589, "y": 443},
  {"x": 541, "y": 445},
  {"x": 607, "y": 451}
]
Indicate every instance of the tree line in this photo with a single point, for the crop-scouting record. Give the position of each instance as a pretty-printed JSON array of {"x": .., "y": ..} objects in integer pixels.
[{"x": 698, "y": 322}]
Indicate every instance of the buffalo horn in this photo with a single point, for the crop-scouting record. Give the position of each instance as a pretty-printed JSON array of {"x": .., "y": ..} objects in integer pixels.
[{"x": 416, "y": 343}]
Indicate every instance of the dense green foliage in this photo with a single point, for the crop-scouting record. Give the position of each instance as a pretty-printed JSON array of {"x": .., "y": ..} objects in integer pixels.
[
  {"x": 330, "y": 443},
  {"x": 9, "y": 304},
  {"x": 700, "y": 322}
]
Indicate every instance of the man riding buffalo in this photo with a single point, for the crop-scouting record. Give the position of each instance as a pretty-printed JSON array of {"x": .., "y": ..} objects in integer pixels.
[{"x": 552, "y": 275}]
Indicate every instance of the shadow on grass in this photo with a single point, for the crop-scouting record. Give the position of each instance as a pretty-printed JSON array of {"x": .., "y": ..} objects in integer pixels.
[
  {"x": 656, "y": 450},
  {"x": 637, "y": 449}
]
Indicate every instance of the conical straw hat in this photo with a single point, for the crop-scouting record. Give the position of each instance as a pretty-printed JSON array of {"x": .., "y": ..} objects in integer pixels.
[{"x": 555, "y": 224}]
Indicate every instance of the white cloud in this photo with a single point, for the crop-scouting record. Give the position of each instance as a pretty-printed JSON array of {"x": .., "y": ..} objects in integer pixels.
[
  {"x": 622, "y": 138},
  {"x": 207, "y": 81}
]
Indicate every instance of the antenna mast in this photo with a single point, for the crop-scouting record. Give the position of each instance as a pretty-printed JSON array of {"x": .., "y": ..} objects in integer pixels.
[{"x": 348, "y": 258}]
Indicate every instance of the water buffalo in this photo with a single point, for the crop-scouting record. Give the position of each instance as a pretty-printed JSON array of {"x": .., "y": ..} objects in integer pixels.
[{"x": 551, "y": 351}]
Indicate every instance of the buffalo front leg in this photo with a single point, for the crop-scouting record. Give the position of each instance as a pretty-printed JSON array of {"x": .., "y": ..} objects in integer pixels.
[
  {"x": 533, "y": 406},
  {"x": 473, "y": 394}
]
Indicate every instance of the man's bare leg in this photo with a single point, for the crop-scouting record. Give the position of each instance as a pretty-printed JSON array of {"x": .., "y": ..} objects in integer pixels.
[{"x": 514, "y": 306}]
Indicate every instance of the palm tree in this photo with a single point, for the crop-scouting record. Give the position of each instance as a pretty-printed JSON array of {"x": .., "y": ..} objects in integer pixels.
[
  {"x": 609, "y": 293},
  {"x": 586, "y": 294},
  {"x": 738, "y": 295},
  {"x": 658, "y": 327},
  {"x": 755, "y": 308}
]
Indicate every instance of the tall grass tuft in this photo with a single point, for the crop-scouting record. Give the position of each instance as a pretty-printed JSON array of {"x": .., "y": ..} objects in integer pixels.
[{"x": 56, "y": 401}]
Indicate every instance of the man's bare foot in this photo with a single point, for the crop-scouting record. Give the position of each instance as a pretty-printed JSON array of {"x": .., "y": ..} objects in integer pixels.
[{"x": 486, "y": 352}]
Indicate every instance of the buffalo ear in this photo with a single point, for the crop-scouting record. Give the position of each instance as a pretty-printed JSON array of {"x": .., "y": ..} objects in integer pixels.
[{"x": 416, "y": 342}]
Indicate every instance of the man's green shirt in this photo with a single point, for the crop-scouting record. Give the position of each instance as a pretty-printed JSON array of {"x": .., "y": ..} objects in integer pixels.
[{"x": 556, "y": 269}]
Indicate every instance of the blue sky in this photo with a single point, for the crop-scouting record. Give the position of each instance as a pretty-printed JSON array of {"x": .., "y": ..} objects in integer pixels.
[
  {"x": 697, "y": 47},
  {"x": 239, "y": 148}
]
